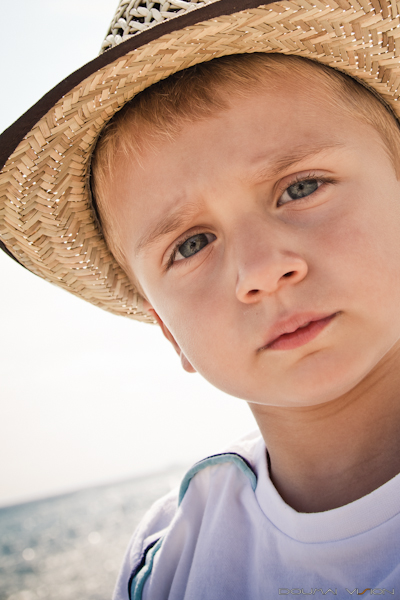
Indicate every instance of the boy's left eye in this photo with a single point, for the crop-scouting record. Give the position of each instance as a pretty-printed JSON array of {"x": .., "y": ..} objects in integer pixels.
[{"x": 300, "y": 189}]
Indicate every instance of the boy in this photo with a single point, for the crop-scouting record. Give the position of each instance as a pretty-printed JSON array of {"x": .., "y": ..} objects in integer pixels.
[
  {"x": 253, "y": 204},
  {"x": 257, "y": 245}
]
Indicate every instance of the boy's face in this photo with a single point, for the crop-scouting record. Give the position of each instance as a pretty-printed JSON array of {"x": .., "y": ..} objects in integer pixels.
[{"x": 292, "y": 212}]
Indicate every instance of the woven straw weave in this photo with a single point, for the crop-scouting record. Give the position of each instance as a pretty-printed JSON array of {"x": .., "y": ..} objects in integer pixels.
[
  {"x": 45, "y": 217},
  {"x": 134, "y": 16}
]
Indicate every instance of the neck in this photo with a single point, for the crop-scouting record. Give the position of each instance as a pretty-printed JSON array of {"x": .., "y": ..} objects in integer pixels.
[{"x": 327, "y": 455}]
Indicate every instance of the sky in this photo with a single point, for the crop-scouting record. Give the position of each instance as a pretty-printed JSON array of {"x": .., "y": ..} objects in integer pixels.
[{"x": 85, "y": 397}]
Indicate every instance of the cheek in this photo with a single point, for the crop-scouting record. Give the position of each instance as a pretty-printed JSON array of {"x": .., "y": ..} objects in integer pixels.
[
  {"x": 198, "y": 314},
  {"x": 360, "y": 250},
  {"x": 198, "y": 319}
]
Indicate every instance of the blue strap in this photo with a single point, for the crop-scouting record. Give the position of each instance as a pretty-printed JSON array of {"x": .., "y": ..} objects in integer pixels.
[
  {"x": 218, "y": 459},
  {"x": 139, "y": 579},
  {"x": 137, "y": 583}
]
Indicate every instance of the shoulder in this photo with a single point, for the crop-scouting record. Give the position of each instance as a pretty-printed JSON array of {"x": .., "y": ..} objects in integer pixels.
[
  {"x": 179, "y": 515},
  {"x": 241, "y": 455},
  {"x": 149, "y": 531}
]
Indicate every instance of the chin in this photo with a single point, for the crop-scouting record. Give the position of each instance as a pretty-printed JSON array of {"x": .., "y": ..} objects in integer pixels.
[
  {"x": 324, "y": 387},
  {"x": 308, "y": 389}
]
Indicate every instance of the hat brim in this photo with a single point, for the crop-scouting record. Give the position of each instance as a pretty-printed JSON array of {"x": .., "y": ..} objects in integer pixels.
[{"x": 46, "y": 220}]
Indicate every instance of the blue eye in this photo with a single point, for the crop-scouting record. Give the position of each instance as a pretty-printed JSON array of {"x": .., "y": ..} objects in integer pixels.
[
  {"x": 300, "y": 189},
  {"x": 193, "y": 245}
]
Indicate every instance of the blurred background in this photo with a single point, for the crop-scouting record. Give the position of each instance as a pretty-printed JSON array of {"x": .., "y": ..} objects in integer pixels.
[{"x": 98, "y": 418}]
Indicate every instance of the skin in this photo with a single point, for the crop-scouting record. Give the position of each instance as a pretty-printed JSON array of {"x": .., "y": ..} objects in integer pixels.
[{"x": 329, "y": 409}]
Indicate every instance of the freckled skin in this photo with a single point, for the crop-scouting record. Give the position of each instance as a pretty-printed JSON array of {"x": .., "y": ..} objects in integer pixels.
[{"x": 337, "y": 250}]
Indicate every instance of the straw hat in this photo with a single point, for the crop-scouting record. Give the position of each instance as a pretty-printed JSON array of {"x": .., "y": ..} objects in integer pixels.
[{"x": 46, "y": 220}]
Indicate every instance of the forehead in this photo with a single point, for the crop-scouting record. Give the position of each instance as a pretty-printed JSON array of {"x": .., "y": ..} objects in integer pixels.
[{"x": 256, "y": 138}]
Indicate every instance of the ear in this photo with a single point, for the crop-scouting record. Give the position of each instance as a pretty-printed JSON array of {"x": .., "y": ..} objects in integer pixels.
[{"x": 185, "y": 363}]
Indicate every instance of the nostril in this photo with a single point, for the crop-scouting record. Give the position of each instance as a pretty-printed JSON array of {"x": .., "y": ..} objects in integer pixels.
[
  {"x": 252, "y": 292},
  {"x": 289, "y": 274}
]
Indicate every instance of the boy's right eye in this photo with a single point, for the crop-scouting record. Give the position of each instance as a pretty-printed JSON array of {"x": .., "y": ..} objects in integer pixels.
[
  {"x": 190, "y": 246},
  {"x": 193, "y": 245}
]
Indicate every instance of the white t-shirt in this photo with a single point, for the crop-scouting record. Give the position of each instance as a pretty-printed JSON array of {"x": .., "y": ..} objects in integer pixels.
[{"x": 230, "y": 536}]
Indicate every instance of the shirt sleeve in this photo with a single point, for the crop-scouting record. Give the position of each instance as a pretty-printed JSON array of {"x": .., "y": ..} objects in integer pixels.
[{"x": 149, "y": 530}]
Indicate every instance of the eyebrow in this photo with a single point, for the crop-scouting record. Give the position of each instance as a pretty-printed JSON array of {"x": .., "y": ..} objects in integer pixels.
[
  {"x": 183, "y": 215},
  {"x": 292, "y": 158},
  {"x": 176, "y": 219}
]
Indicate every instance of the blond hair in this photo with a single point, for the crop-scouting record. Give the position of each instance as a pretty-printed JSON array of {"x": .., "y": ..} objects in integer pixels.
[{"x": 161, "y": 111}]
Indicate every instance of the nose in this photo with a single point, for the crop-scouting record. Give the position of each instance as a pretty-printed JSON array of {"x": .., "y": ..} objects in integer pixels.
[{"x": 266, "y": 264}]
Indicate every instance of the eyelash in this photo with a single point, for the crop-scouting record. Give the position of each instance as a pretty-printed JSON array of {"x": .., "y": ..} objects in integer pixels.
[
  {"x": 298, "y": 179},
  {"x": 281, "y": 190},
  {"x": 178, "y": 244}
]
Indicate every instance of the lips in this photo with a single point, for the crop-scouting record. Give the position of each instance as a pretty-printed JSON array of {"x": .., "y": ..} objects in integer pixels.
[{"x": 297, "y": 331}]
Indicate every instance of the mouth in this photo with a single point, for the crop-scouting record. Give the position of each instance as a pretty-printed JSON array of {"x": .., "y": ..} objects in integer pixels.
[{"x": 296, "y": 334}]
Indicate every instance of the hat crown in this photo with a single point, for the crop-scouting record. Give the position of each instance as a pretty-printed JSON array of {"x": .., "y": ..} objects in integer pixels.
[{"x": 134, "y": 16}]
